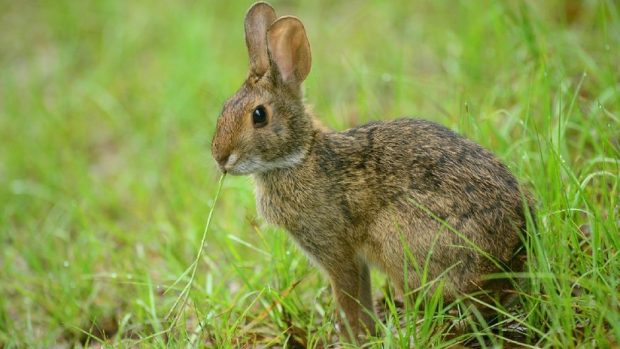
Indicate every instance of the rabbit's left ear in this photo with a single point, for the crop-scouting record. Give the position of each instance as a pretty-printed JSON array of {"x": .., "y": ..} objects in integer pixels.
[
  {"x": 257, "y": 21},
  {"x": 289, "y": 50}
]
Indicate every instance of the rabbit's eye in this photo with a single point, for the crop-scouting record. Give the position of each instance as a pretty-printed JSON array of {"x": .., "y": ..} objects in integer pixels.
[{"x": 259, "y": 117}]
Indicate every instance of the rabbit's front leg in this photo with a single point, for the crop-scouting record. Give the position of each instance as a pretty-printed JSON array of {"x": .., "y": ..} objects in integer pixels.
[{"x": 351, "y": 285}]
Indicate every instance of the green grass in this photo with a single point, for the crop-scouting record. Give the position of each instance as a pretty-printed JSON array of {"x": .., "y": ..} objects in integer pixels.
[{"x": 106, "y": 114}]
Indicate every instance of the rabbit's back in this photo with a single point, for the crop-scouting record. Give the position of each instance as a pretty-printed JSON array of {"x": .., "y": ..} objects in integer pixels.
[{"x": 436, "y": 191}]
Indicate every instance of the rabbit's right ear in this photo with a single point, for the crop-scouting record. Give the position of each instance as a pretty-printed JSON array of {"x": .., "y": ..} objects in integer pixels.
[
  {"x": 289, "y": 50},
  {"x": 257, "y": 21}
]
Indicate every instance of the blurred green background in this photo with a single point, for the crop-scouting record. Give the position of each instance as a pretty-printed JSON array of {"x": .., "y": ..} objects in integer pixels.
[{"x": 107, "y": 109}]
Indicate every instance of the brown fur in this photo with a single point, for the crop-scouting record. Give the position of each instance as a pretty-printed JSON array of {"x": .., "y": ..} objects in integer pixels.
[{"x": 371, "y": 194}]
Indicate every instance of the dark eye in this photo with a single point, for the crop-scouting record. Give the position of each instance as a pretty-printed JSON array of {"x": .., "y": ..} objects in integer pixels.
[{"x": 259, "y": 117}]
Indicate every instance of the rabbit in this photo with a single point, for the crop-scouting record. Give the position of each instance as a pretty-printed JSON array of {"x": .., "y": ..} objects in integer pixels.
[{"x": 391, "y": 194}]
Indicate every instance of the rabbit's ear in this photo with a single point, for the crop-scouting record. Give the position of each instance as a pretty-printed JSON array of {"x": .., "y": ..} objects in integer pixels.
[
  {"x": 289, "y": 50},
  {"x": 257, "y": 22}
]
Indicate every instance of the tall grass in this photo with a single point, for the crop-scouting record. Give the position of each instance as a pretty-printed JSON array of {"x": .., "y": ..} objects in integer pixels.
[{"x": 107, "y": 109}]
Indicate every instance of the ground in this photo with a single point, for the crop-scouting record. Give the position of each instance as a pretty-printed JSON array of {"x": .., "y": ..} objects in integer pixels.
[{"x": 107, "y": 109}]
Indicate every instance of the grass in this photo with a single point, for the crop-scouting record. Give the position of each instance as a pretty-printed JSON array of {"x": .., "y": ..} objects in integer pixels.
[{"x": 107, "y": 110}]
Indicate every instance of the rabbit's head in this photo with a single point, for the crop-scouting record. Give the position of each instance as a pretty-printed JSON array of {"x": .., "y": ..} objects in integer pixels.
[{"x": 264, "y": 126}]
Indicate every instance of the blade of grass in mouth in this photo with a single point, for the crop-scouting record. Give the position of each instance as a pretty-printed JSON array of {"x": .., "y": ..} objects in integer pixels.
[{"x": 179, "y": 305}]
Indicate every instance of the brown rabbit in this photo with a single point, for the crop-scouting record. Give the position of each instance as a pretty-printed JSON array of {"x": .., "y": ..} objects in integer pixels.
[{"x": 391, "y": 194}]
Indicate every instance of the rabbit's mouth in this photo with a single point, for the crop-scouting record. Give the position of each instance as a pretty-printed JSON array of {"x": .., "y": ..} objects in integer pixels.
[
  {"x": 235, "y": 165},
  {"x": 231, "y": 164}
]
